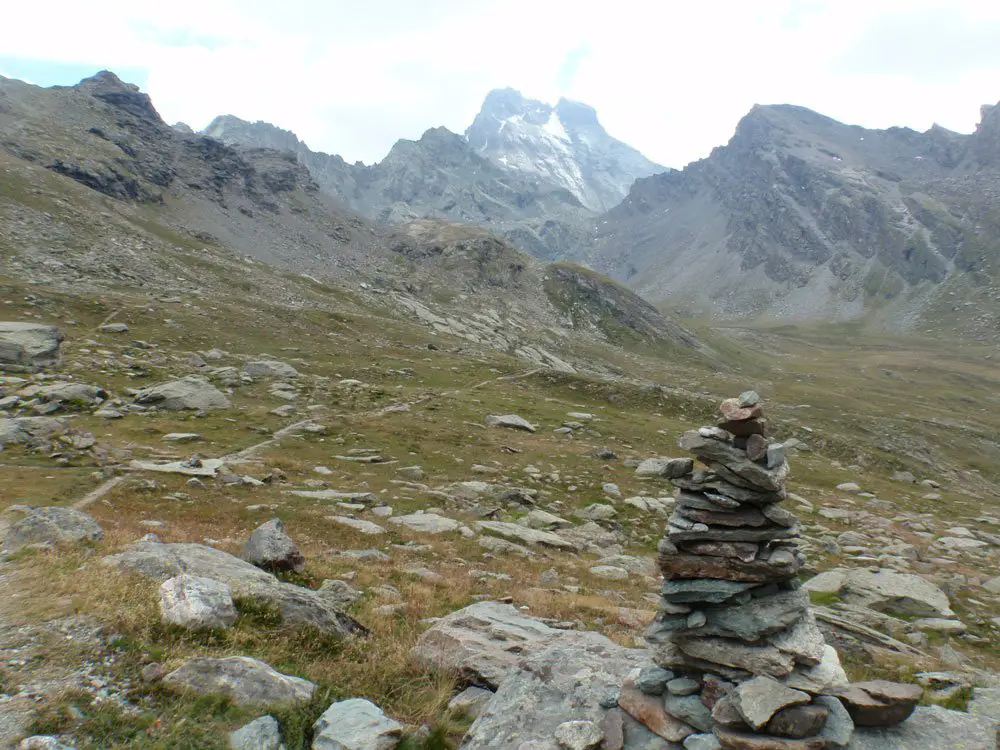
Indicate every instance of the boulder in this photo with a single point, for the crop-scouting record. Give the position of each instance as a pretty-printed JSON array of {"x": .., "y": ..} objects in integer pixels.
[
  {"x": 298, "y": 605},
  {"x": 260, "y": 734},
  {"x": 43, "y": 742},
  {"x": 929, "y": 728},
  {"x": 568, "y": 680},
  {"x": 50, "y": 526},
  {"x": 78, "y": 394},
  {"x": 485, "y": 642},
  {"x": 355, "y": 724},
  {"x": 195, "y": 602},
  {"x": 893, "y": 593},
  {"x": 270, "y": 548},
  {"x": 879, "y": 703},
  {"x": 190, "y": 392},
  {"x": 29, "y": 345},
  {"x": 270, "y": 368},
  {"x": 30, "y": 430},
  {"x": 667, "y": 468},
  {"x": 244, "y": 680}
]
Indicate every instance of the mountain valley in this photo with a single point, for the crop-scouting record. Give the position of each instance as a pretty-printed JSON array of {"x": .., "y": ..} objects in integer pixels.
[{"x": 214, "y": 344}]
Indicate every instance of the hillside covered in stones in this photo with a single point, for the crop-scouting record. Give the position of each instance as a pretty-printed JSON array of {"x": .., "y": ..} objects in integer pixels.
[{"x": 272, "y": 475}]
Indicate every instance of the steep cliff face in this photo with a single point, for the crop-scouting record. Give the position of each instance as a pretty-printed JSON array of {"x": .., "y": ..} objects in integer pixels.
[
  {"x": 565, "y": 145},
  {"x": 801, "y": 216}
]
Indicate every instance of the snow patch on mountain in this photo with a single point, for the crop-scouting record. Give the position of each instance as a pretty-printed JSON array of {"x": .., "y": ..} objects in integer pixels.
[{"x": 564, "y": 145}]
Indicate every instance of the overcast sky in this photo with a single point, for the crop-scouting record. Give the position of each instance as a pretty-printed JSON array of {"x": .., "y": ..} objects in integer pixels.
[{"x": 668, "y": 77}]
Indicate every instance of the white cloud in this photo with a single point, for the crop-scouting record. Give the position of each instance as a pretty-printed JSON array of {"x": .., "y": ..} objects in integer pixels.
[{"x": 672, "y": 79}]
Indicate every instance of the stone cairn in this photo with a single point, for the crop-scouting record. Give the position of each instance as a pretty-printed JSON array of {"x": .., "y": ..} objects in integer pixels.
[{"x": 737, "y": 649}]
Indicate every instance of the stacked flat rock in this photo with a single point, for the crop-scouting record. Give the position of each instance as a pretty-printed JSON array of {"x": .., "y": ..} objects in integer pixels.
[{"x": 736, "y": 644}]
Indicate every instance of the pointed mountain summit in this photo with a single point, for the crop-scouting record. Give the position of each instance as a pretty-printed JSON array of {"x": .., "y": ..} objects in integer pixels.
[{"x": 565, "y": 145}]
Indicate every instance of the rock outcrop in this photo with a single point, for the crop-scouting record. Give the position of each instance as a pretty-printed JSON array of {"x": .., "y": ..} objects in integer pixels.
[{"x": 29, "y": 345}]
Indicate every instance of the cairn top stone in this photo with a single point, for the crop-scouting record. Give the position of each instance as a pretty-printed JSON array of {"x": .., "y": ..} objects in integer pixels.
[{"x": 733, "y": 411}]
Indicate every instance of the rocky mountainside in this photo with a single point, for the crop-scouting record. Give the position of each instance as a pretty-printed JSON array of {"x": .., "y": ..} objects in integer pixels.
[
  {"x": 98, "y": 190},
  {"x": 800, "y": 216},
  {"x": 564, "y": 145},
  {"x": 438, "y": 176}
]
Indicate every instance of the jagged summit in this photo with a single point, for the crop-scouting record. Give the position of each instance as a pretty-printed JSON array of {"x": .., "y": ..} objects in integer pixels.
[
  {"x": 565, "y": 145},
  {"x": 108, "y": 87}
]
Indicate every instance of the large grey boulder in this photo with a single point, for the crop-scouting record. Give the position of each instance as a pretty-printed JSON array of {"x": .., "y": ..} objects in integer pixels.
[
  {"x": 355, "y": 724},
  {"x": 886, "y": 590},
  {"x": 30, "y": 430},
  {"x": 486, "y": 641},
  {"x": 245, "y": 680},
  {"x": 195, "y": 602},
  {"x": 77, "y": 394},
  {"x": 568, "y": 680},
  {"x": 260, "y": 734},
  {"x": 50, "y": 526},
  {"x": 29, "y": 345},
  {"x": 930, "y": 728},
  {"x": 666, "y": 468},
  {"x": 270, "y": 548},
  {"x": 189, "y": 392},
  {"x": 298, "y": 605},
  {"x": 270, "y": 368}
]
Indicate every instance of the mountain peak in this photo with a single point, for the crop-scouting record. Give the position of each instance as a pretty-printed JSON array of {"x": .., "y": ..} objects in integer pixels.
[
  {"x": 564, "y": 145},
  {"x": 109, "y": 88}
]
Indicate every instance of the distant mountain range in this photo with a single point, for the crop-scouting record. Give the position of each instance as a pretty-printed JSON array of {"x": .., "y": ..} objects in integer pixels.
[
  {"x": 534, "y": 174},
  {"x": 799, "y": 217}
]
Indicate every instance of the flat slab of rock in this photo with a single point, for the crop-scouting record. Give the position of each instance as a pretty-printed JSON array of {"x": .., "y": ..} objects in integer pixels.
[
  {"x": 759, "y": 699},
  {"x": 355, "y": 724},
  {"x": 368, "y": 498},
  {"x": 524, "y": 535},
  {"x": 50, "y": 526},
  {"x": 29, "y": 345},
  {"x": 510, "y": 421},
  {"x": 358, "y": 524},
  {"x": 649, "y": 711},
  {"x": 191, "y": 392},
  {"x": 735, "y": 460},
  {"x": 246, "y": 681},
  {"x": 197, "y": 602},
  {"x": 298, "y": 605},
  {"x": 428, "y": 523},
  {"x": 206, "y": 467},
  {"x": 270, "y": 368}
]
